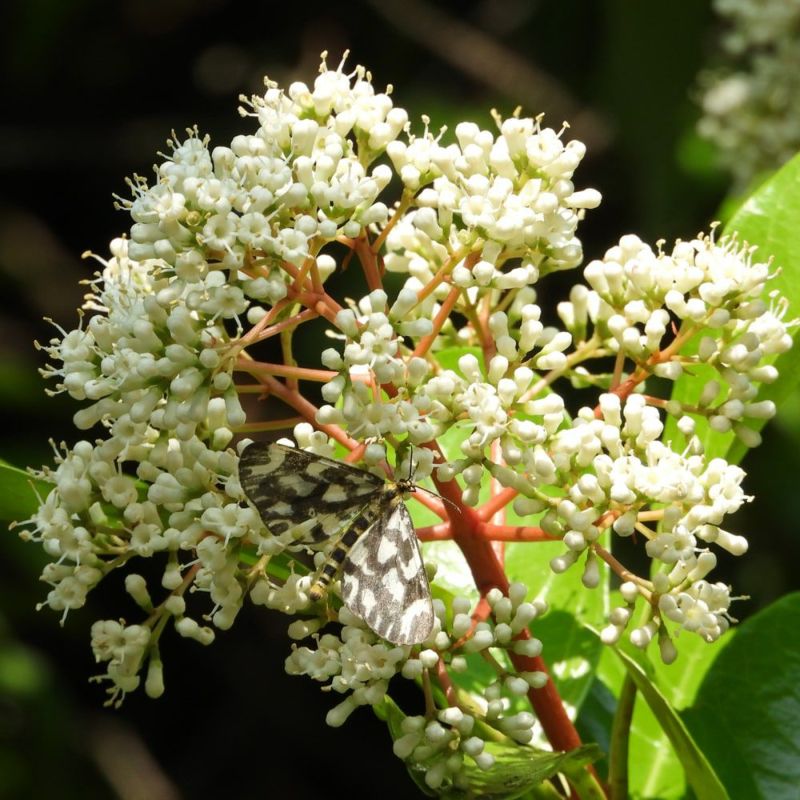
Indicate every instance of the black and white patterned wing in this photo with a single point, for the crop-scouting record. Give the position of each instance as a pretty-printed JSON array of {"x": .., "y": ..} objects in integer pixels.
[
  {"x": 384, "y": 580},
  {"x": 292, "y": 488}
]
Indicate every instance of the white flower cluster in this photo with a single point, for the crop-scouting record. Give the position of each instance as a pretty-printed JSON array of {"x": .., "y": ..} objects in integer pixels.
[
  {"x": 153, "y": 364},
  {"x": 125, "y": 648},
  {"x": 359, "y": 665},
  {"x": 751, "y": 108},
  {"x": 356, "y": 662},
  {"x": 505, "y": 197},
  {"x": 482, "y": 205},
  {"x": 632, "y": 471},
  {"x": 636, "y": 292},
  {"x": 226, "y": 248},
  {"x": 437, "y": 747},
  {"x": 424, "y": 402},
  {"x": 302, "y": 179},
  {"x": 149, "y": 361}
]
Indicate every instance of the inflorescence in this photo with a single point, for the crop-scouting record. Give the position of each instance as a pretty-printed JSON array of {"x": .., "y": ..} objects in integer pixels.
[{"x": 233, "y": 245}]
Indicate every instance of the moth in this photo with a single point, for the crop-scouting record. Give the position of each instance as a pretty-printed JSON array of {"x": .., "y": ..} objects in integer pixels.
[{"x": 377, "y": 553}]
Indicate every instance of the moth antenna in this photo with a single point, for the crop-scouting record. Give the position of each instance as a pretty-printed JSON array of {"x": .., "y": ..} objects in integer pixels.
[{"x": 443, "y": 499}]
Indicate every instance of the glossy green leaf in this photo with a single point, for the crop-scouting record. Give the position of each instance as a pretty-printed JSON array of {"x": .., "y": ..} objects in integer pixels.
[
  {"x": 654, "y": 769},
  {"x": 746, "y": 715},
  {"x": 767, "y": 219},
  {"x": 698, "y": 770},
  {"x": 595, "y": 719}
]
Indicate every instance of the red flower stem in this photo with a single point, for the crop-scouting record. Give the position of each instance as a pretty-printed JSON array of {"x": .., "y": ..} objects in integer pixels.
[
  {"x": 488, "y": 574},
  {"x": 443, "y": 677},
  {"x": 369, "y": 262},
  {"x": 480, "y": 614},
  {"x": 430, "y": 502},
  {"x": 496, "y": 502},
  {"x": 645, "y": 370},
  {"x": 621, "y": 570},
  {"x": 256, "y": 333},
  {"x": 323, "y": 304},
  {"x": 444, "y": 271},
  {"x": 514, "y": 533},
  {"x": 435, "y": 533},
  {"x": 308, "y": 410},
  {"x": 292, "y": 322},
  {"x": 444, "y": 312},
  {"x": 495, "y": 487},
  {"x": 286, "y": 371},
  {"x": 484, "y": 334}
]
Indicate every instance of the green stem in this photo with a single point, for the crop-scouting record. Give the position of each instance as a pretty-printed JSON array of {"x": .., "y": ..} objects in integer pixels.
[{"x": 620, "y": 734}]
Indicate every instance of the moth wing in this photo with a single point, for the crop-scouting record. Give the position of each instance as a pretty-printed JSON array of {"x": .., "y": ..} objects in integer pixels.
[
  {"x": 294, "y": 488},
  {"x": 384, "y": 580}
]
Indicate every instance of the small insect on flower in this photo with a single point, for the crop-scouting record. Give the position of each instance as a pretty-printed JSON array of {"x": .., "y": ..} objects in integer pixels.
[{"x": 383, "y": 575}]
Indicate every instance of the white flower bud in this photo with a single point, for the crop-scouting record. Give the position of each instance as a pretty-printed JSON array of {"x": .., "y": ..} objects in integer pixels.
[
  {"x": 667, "y": 650},
  {"x": 338, "y": 715},
  {"x": 610, "y": 634},
  {"x": 563, "y": 562},
  {"x": 429, "y": 658},
  {"x": 629, "y": 591},
  {"x": 536, "y": 680},
  {"x": 136, "y": 587},
  {"x": 516, "y": 685},
  {"x": 175, "y": 605},
  {"x": 641, "y": 637},
  {"x": 528, "y": 647},
  {"x": 154, "y": 683}
]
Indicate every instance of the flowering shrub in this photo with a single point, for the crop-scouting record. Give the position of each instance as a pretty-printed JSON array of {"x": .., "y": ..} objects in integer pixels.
[
  {"x": 751, "y": 101},
  {"x": 444, "y": 364}
]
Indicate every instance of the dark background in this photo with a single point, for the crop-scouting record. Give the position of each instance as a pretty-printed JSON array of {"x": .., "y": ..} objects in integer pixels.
[{"x": 90, "y": 91}]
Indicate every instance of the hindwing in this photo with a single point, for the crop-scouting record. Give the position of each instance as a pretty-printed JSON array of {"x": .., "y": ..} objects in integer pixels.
[{"x": 384, "y": 580}]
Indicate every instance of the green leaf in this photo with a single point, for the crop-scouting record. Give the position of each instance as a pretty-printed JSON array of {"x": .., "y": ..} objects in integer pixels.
[
  {"x": 18, "y": 493},
  {"x": 746, "y": 715},
  {"x": 517, "y": 769},
  {"x": 595, "y": 719},
  {"x": 768, "y": 219},
  {"x": 655, "y": 770},
  {"x": 699, "y": 772}
]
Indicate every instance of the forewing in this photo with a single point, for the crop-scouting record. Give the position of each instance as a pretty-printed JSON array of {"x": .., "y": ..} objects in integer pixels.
[
  {"x": 384, "y": 580},
  {"x": 291, "y": 487}
]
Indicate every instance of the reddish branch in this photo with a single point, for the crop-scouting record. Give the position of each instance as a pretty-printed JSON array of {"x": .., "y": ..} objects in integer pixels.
[
  {"x": 443, "y": 678},
  {"x": 470, "y": 529},
  {"x": 489, "y": 574}
]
